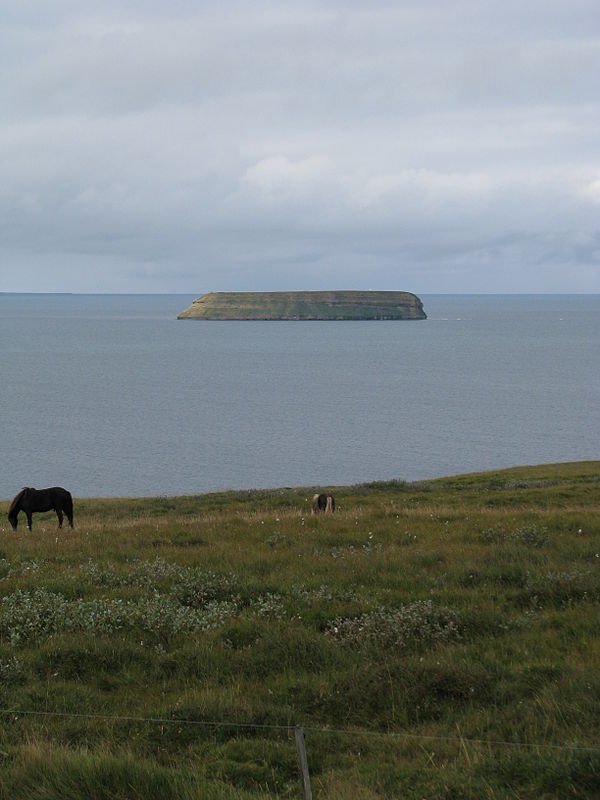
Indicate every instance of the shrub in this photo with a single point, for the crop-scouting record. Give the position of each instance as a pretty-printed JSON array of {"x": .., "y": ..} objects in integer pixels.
[
  {"x": 530, "y": 535},
  {"x": 196, "y": 587},
  {"x": 27, "y": 616},
  {"x": 419, "y": 622}
]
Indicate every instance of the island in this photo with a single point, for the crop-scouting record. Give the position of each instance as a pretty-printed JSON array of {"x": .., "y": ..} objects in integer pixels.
[{"x": 330, "y": 305}]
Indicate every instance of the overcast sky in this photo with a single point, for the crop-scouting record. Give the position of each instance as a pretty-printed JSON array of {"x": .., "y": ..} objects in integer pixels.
[{"x": 430, "y": 146}]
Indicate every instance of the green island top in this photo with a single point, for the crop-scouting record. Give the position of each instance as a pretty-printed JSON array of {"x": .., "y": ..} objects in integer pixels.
[{"x": 329, "y": 305}]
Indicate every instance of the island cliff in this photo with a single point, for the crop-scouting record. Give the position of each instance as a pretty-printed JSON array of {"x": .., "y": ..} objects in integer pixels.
[{"x": 351, "y": 305}]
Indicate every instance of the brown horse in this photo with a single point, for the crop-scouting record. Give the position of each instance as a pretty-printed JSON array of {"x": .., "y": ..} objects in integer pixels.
[
  {"x": 323, "y": 503},
  {"x": 30, "y": 500}
]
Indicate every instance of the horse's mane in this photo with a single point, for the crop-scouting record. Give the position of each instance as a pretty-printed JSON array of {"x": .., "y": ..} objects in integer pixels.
[{"x": 17, "y": 499}]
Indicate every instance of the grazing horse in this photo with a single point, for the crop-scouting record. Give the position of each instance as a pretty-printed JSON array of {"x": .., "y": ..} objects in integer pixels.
[
  {"x": 324, "y": 503},
  {"x": 30, "y": 500}
]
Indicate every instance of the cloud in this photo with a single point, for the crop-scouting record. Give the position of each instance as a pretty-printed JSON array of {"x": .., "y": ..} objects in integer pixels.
[
  {"x": 591, "y": 191},
  {"x": 267, "y": 146},
  {"x": 277, "y": 176}
]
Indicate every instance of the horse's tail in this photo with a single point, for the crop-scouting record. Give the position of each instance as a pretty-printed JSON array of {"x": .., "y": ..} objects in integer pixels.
[
  {"x": 68, "y": 502},
  {"x": 330, "y": 507},
  {"x": 15, "y": 506}
]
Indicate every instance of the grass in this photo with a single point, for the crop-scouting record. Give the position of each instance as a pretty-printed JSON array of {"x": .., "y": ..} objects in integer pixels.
[{"x": 434, "y": 640}]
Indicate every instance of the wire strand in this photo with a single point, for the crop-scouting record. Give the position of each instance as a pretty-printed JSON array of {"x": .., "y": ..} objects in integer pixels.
[{"x": 307, "y": 729}]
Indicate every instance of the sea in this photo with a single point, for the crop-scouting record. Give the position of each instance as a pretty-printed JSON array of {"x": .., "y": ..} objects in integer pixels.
[{"x": 111, "y": 395}]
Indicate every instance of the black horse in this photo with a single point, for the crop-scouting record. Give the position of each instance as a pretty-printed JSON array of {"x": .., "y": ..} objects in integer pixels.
[
  {"x": 30, "y": 500},
  {"x": 324, "y": 503}
]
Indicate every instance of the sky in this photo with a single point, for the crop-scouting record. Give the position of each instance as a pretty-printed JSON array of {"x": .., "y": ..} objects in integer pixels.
[{"x": 426, "y": 146}]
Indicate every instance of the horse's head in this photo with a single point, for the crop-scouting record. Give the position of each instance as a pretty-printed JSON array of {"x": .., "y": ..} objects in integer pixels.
[{"x": 15, "y": 507}]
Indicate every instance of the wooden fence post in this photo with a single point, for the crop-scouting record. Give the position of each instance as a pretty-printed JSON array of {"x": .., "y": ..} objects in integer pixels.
[{"x": 303, "y": 761}]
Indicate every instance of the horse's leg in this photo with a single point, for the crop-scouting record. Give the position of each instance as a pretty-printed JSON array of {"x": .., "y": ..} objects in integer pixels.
[
  {"x": 59, "y": 514},
  {"x": 29, "y": 520}
]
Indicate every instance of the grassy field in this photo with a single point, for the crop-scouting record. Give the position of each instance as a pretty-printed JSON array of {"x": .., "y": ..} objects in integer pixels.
[{"x": 434, "y": 640}]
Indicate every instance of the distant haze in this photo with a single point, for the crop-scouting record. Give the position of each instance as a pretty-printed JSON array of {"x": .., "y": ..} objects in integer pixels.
[{"x": 426, "y": 146}]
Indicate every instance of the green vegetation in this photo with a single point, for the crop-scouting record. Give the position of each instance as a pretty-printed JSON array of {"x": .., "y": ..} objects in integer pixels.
[
  {"x": 434, "y": 640},
  {"x": 305, "y": 306}
]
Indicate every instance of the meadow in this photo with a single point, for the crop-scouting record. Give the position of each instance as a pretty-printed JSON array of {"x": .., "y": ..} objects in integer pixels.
[{"x": 433, "y": 640}]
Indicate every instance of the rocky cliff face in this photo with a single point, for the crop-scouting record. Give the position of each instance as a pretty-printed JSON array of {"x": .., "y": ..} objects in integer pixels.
[{"x": 340, "y": 305}]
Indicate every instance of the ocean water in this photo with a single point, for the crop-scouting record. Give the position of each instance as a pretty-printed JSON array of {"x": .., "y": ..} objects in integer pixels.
[{"x": 110, "y": 395}]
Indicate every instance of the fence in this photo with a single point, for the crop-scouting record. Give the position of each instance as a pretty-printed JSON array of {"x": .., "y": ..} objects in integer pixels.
[{"x": 299, "y": 734}]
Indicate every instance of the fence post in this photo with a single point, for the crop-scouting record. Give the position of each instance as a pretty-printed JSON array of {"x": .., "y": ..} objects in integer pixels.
[{"x": 303, "y": 761}]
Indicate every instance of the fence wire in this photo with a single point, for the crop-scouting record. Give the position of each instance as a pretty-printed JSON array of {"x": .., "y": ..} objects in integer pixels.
[{"x": 16, "y": 713}]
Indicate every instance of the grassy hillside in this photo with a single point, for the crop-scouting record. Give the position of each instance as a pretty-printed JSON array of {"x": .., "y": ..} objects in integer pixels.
[
  {"x": 305, "y": 306},
  {"x": 435, "y": 640}
]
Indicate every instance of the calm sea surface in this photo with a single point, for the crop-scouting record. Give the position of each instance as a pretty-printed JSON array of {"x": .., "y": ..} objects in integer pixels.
[{"x": 111, "y": 395}]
